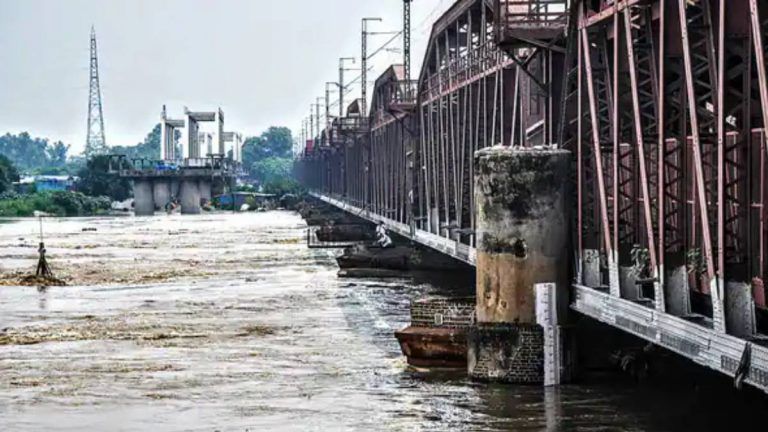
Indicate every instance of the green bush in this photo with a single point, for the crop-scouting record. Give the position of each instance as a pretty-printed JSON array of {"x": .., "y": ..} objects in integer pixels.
[
  {"x": 96, "y": 180},
  {"x": 58, "y": 203},
  {"x": 272, "y": 169},
  {"x": 283, "y": 186},
  {"x": 8, "y": 174}
]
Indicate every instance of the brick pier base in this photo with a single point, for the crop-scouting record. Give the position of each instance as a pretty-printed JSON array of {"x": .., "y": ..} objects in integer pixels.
[
  {"x": 437, "y": 336},
  {"x": 508, "y": 353}
]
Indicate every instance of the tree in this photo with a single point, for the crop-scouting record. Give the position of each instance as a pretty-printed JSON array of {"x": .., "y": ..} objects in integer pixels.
[
  {"x": 34, "y": 154},
  {"x": 271, "y": 169},
  {"x": 148, "y": 149},
  {"x": 57, "y": 154},
  {"x": 283, "y": 186},
  {"x": 95, "y": 180},
  {"x": 29, "y": 153},
  {"x": 252, "y": 150},
  {"x": 274, "y": 142},
  {"x": 8, "y": 174}
]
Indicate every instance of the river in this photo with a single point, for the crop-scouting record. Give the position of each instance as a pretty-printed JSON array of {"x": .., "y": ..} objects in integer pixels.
[{"x": 239, "y": 326}]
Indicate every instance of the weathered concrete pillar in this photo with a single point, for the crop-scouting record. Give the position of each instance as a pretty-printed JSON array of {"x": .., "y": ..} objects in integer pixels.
[
  {"x": 143, "y": 201},
  {"x": 162, "y": 193},
  {"x": 522, "y": 230},
  {"x": 218, "y": 186},
  {"x": 205, "y": 190},
  {"x": 175, "y": 188},
  {"x": 189, "y": 196},
  {"x": 677, "y": 295}
]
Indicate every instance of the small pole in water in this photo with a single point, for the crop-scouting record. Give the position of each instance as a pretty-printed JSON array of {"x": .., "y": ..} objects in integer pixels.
[
  {"x": 43, "y": 270},
  {"x": 232, "y": 191}
]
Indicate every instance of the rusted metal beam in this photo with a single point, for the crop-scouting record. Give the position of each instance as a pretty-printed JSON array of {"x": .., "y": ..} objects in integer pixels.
[
  {"x": 760, "y": 54},
  {"x": 715, "y": 288},
  {"x": 640, "y": 143},
  {"x": 596, "y": 148}
]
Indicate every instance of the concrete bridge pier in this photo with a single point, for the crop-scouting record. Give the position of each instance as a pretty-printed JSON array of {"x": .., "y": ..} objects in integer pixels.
[
  {"x": 162, "y": 193},
  {"x": 175, "y": 188},
  {"x": 218, "y": 186},
  {"x": 521, "y": 202},
  {"x": 205, "y": 187},
  {"x": 143, "y": 200},
  {"x": 190, "y": 196}
]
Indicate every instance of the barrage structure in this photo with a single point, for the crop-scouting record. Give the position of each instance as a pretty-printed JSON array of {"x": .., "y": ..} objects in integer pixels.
[
  {"x": 188, "y": 180},
  {"x": 663, "y": 105}
]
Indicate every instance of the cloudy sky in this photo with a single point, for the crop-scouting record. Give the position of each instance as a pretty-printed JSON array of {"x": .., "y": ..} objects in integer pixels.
[{"x": 262, "y": 61}]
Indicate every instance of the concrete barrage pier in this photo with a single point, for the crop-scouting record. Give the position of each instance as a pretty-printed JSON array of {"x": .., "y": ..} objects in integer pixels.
[
  {"x": 191, "y": 186},
  {"x": 189, "y": 181}
]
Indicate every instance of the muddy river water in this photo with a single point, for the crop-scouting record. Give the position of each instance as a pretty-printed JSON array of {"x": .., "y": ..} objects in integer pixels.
[{"x": 229, "y": 322}]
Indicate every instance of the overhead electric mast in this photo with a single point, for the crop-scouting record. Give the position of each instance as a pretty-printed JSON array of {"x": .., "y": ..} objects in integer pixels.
[
  {"x": 364, "y": 61},
  {"x": 364, "y": 58},
  {"x": 342, "y": 87},
  {"x": 407, "y": 43}
]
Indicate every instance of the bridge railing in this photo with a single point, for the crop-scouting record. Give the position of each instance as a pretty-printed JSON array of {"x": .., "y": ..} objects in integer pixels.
[
  {"x": 526, "y": 20},
  {"x": 219, "y": 163},
  {"x": 197, "y": 163},
  {"x": 533, "y": 13},
  {"x": 352, "y": 125},
  {"x": 458, "y": 70},
  {"x": 403, "y": 92},
  {"x": 395, "y": 96},
  {"x": 122, "y": 165}
]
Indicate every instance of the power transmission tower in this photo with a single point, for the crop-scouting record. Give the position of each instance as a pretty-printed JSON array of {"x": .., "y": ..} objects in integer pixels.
[{"x": 95, "y": 143}]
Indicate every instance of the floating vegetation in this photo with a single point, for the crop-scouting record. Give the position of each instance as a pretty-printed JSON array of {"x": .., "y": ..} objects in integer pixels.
[
  {"x": 257, "y": 330},
  {"x": 139, "y": 328},
  {"x": 29, "y": 280}
]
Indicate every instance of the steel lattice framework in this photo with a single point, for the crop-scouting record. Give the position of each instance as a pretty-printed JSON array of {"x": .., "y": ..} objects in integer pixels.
[
  {"x": 666, "y": 117},
  {"x": 96, "y": 143}
]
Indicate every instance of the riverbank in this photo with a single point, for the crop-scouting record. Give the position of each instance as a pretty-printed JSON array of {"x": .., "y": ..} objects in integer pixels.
[{"x": 59, "y": 203}]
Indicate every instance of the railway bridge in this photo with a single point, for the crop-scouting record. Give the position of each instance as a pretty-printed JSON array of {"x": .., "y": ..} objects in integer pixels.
[{"x": 661, "y": 107}]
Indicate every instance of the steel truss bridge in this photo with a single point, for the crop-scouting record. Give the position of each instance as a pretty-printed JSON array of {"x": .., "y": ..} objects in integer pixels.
[{"x": 664, "y": 106}]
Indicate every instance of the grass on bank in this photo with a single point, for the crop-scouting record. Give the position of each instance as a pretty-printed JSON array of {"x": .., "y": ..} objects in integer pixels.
[{"x": 58, "y": 203}]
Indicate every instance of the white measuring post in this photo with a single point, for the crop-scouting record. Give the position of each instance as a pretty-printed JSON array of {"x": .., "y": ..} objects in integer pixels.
[{"x": 546, "y": 317}]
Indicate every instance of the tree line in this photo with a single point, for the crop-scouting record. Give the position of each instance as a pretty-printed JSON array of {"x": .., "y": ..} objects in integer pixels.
[
  {"x": 28, "y": 153},
  {"x": 8, "y": 175},
  {"x": 41, "y": 156},
  {"x": 266, "y": 157}
]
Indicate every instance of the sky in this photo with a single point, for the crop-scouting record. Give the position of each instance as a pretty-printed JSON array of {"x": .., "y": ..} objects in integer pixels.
[{"x": 262, "y": 61}]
